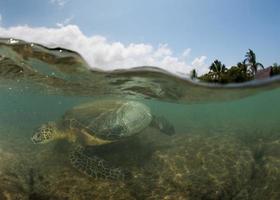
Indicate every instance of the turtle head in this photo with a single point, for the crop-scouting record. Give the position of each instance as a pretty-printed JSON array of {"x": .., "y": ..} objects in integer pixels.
[{"x": 45, "y": 133}]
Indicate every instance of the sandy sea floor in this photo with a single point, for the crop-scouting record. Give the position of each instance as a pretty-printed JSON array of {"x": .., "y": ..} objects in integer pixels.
[{"x": 184, "y": 166}]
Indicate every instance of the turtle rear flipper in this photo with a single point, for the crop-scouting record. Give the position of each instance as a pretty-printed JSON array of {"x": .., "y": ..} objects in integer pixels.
[
  {"x": 163, "y": 125},
  {"x": 94, "y": 166}
]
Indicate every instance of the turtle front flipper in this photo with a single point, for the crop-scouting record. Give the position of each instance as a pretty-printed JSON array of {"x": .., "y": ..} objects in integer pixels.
[
  {"x": 94, "y": 166},
  {"x": 163, "y": 125}
]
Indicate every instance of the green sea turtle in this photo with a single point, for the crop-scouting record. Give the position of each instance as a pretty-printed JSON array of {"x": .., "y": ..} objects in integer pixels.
[{"x": 96, "y": 123}]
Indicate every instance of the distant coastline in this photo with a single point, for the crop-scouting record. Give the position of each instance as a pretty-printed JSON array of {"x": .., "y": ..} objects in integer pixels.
[{"x": 247, "y": 70}]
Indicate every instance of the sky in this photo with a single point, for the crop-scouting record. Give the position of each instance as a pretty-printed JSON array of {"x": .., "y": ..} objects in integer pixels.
[{"x": 177, "y": 35}]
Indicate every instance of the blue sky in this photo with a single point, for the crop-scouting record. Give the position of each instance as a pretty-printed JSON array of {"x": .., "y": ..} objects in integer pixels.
[{"x": 222, "y": 29}]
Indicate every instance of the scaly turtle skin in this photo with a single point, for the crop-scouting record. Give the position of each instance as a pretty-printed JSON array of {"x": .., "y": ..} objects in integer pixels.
[{"x": 98, "y": 123}]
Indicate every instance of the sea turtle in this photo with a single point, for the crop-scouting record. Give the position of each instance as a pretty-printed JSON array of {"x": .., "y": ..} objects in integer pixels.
[{"x": 96, "y": 123}]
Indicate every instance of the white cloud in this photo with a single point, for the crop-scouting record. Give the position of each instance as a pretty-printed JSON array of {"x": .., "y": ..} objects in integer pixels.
[
  {"x": 103, "y": 54},
  {"x": 199, "y": 64},
  {"x": 60, "y": 3},
  {"x": 64, "y": 22}
]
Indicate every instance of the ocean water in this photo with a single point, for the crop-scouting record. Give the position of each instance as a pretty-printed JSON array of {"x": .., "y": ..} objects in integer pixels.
[{"x": 226, "y": 146}]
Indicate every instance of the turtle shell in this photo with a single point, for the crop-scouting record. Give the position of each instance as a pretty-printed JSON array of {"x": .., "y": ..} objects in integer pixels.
[{"x": 109, "y": 119}]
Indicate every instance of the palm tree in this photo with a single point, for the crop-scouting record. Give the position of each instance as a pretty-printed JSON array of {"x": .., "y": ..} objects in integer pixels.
[
  {"x": 243, "y": 67},
  {"x": 275, "y": 69},
  {"x": 217, "y": 67},
  {"x": 193, "y": 74},
  {"x": 250, "y": 60}
]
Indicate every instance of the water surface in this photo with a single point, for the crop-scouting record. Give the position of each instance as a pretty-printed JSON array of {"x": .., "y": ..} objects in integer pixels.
[{"x": 226, "y": 146}]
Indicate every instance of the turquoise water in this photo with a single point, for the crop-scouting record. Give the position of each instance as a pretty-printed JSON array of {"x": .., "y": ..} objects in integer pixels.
[{"x": 226, "y": 146}]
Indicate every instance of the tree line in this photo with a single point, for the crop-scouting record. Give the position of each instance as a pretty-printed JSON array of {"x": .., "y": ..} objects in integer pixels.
[{"x": 241, "y": 72}]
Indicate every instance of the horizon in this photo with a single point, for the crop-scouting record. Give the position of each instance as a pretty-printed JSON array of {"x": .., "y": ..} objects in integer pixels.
[{"x": 129, "y": 34}]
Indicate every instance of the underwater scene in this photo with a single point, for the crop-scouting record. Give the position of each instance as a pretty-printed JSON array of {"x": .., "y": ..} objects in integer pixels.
[{"x": 68, "y": 132}]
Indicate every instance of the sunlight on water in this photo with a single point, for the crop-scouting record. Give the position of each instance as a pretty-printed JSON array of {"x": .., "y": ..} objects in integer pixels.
[{"x": 226, "y": 145}]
